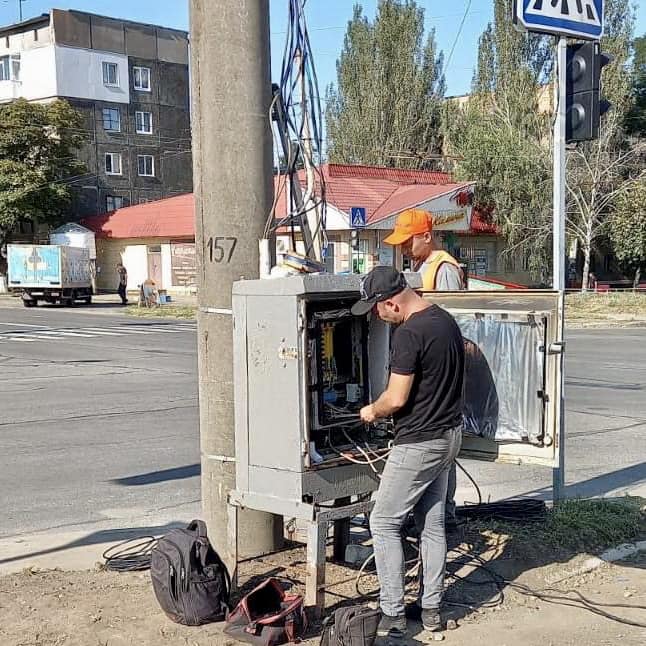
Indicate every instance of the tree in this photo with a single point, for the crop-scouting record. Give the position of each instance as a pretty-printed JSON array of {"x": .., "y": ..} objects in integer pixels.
[
  {"x": 501, "y": 137},
  {"x": 636, "y": 119},
  {"x": 628, "y": 228},
  {"x": 385, "y": 108},
  {"x": 38, "y": 145},
  {"x": 599, "y": 171}
]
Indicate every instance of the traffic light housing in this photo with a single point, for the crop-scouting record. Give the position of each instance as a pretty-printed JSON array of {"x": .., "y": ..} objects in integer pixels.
[
  {"x": 354, "y": 236},
  {"x": 584, "y": 106}
]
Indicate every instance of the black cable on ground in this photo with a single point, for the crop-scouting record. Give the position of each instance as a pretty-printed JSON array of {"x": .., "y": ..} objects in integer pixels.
[
  {"x": 554, "y": 595},
  {"x": 132, "y": 555},
  {"x": 516, "y": 509},
  {"x": 473, "y": 482}
]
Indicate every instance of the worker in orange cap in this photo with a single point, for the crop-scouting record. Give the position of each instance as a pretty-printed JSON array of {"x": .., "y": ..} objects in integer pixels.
[
  {"x": 414, "y": 235},
  {"x": 440, "y": 271}
]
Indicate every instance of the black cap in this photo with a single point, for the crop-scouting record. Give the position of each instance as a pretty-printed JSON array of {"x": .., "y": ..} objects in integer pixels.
[{"x": 379, "y": 285}]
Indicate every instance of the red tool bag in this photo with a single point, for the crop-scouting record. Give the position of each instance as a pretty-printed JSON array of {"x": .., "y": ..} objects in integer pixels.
[{"x": 267, "y": 616}]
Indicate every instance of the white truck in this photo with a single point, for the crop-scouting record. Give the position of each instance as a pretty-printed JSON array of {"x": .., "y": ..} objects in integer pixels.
[{"x": 51, "y": 273}]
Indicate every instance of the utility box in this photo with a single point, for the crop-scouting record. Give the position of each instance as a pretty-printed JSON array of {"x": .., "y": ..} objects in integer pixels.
[{"x": 304, "y": 366}]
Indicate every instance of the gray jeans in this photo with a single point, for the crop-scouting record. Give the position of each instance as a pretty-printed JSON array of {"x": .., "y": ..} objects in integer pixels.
[{"x": 414, "y": 479}]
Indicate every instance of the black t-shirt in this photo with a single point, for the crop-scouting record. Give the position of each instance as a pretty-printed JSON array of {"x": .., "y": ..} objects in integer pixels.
[{"x": 429, "y": 345}]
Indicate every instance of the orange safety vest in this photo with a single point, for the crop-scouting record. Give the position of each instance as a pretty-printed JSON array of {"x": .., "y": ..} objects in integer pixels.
[{"x": 430, "y": 268}]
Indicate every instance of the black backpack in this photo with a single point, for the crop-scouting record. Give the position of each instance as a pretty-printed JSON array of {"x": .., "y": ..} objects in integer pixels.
[
  {"x": 351, "y": 626},
  {"x": 190, "y": 580}
]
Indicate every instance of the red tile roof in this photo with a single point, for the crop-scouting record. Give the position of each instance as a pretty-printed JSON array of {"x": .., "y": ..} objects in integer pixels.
[
  {"x": 381, "y": 191},
  {"x": 173, "y": 217},
  {"x": 408, "y": 196}
]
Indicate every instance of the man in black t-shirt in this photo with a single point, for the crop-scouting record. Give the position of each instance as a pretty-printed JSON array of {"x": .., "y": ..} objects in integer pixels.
[{"x": 424, "y": 397}]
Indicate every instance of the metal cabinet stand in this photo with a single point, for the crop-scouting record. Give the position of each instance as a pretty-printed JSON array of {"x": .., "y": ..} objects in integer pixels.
[{"x": 318, "y": 521}]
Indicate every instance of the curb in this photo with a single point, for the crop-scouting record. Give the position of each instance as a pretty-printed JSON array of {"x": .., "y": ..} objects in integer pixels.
[{"x": 614, "y": 554}]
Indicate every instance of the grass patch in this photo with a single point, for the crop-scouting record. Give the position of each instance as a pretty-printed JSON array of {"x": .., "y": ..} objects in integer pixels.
[
  {"x": 580, "y": 525},
  {"x": 592, "y": 306},
  {"x": 163, "y": 311}
]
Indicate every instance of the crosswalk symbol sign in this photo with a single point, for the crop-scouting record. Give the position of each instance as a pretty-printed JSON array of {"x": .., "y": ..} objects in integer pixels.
[
  {"x": 580, "y": 18},
  {"x": 357, "y": 217}
]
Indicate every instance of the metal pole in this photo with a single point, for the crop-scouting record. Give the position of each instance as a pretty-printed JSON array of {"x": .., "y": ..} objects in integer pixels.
[
  {"x": 20, "y": 8},
  {"x": 558, "y": 255},
  {"x": 233, "y": 177}
]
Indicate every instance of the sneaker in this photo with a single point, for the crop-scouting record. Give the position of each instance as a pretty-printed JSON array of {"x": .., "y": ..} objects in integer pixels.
[
  {"x": 431, "y": 619},
  {"x": 413, "y": 611},
  {"x": 393, "y": 627}
]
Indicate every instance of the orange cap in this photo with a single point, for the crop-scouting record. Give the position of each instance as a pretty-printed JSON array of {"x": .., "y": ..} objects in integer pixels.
[{"x": 409, "y": 223}]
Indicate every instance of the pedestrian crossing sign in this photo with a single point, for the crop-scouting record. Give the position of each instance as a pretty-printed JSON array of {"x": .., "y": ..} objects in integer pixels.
[
  {"x": 579, "y": 18},
  {"x": 357, "y": 217}
]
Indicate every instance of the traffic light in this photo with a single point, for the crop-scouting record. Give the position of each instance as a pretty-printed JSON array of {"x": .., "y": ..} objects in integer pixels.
[
  {"x": 584, "y": 106},
  {"x": 354, "y": 235}
]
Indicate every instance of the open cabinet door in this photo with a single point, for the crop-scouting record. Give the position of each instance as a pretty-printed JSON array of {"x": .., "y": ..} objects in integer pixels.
[{"x": 513, "y": 367}]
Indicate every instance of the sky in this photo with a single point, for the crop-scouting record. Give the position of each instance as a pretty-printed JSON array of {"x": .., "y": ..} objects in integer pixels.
[{"x": 327, "y": 21}]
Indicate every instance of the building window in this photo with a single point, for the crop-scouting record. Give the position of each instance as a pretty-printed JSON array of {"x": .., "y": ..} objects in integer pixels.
[
  {"x": 112, "y": 119},
  {"x": 146, "y": 165},
  {"x": 113, "y": 202},
  {"x": 110, "y": 74},
  {"x": 113, "y": 163},
  {"x": 144, "y": 123},
  {"x": 10, "y": 68},
  {"x": 142, "y": 78}
]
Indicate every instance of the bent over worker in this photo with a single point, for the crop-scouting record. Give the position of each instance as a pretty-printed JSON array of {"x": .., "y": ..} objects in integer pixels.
[
  {"x": 424, "y": 397},
  {"x": 439, "y": 271}
]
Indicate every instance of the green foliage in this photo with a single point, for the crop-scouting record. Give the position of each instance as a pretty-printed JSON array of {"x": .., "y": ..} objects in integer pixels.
[
  {"x": 636, "y": 119},
  {"x": 385, "y": 108},
  {"x": 628, "y": 227},
  {"x": 582, "y": 525},
  {"x": 600, "y": 171},
  {"x": 38, "y": 145},
  {"x": 500, "y": 137}
]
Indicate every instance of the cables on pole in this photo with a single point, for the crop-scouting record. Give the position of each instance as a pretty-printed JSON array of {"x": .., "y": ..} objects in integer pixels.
[{"x": 296, "y": 109}]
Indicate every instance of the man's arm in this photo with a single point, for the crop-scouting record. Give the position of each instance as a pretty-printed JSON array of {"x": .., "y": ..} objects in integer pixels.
[
  {"x": 391, "y": 400},
  {"x": 449, "y": 278}
]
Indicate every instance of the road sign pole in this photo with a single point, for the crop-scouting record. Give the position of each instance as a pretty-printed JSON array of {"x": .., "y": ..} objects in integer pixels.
[{"x": 558, "y": 251}]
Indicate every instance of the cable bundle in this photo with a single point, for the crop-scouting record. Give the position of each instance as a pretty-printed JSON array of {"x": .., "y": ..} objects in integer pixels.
[
  {"x": 130, "y": 556},
  {"x": 297, "y": 97}
]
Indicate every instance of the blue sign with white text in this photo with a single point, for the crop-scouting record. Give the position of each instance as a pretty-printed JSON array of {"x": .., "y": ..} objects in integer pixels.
[
  {"x": 581, "y": 18},
  {"x": 357, "y": 217}
]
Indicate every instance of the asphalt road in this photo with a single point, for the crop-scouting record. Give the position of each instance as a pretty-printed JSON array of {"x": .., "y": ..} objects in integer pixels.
[{"x": 99, "y": 422}]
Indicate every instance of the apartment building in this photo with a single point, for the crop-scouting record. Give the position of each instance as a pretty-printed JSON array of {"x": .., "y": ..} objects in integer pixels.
[{"x": 129, "y": 80}]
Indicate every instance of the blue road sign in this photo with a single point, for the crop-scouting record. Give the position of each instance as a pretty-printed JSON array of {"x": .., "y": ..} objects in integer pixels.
[
  {"x": 357, "y": 217},
  {"x": 580, "y": 18}
]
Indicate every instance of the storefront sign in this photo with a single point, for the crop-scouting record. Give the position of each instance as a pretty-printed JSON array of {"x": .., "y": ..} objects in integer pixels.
[
  {"x": 183, "y": 263},
  {"x": 444, "y": 219}
]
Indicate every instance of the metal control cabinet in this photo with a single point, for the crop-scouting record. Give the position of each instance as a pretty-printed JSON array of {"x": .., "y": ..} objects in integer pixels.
[{"x": 272, "y": 400}]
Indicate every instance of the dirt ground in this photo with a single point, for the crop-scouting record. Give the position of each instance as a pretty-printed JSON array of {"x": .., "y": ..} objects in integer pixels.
[{"x": 99, "y": 608}]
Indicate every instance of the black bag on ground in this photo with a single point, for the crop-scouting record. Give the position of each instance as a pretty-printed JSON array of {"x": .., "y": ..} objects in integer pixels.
[
  {"x": 190, "y": 580},
  {"x": 267, "y": 616},
  {"x": 351, "y": 626}
]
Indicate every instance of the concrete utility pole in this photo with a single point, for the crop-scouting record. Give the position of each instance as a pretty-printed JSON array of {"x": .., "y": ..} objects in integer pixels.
[{"x": 233, "y": 174}]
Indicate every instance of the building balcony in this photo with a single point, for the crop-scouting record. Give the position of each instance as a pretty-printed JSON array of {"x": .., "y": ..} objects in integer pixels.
[{"x": 10, "y": 90}]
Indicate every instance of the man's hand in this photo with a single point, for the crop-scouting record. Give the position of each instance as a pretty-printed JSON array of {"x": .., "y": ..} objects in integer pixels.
[{"x": 367, "y": 414}]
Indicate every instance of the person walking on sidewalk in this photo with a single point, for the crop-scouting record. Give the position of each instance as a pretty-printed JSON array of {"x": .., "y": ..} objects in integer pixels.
[
  {"x": 424, "y": 397},
  {"x": 439, "y": 270},
  {"x": 123, "y": 283}
]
